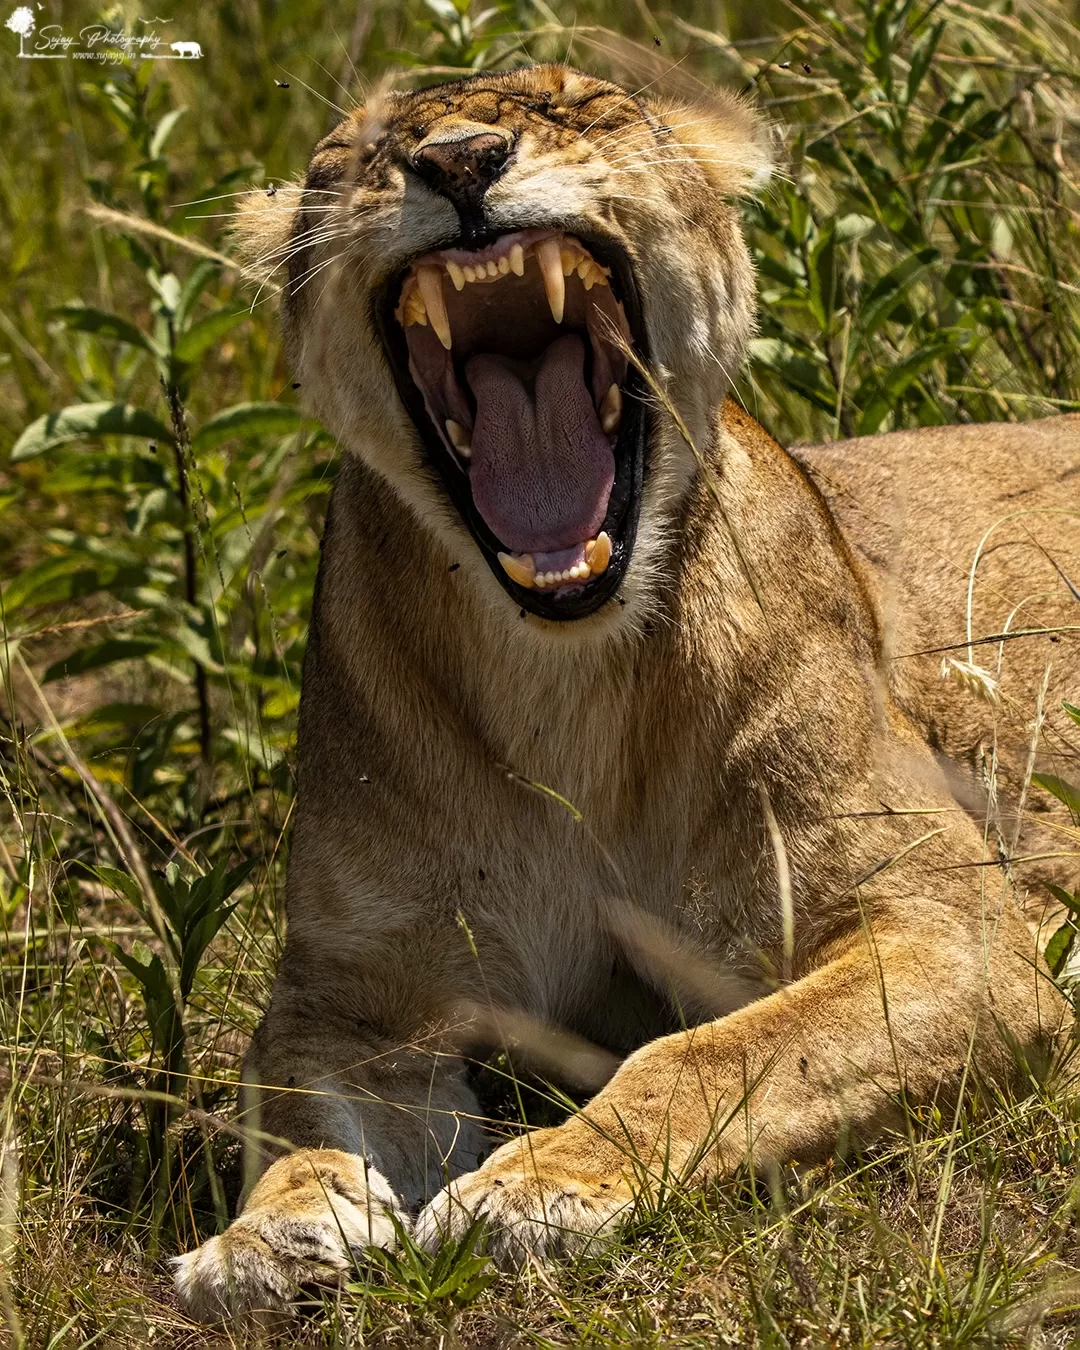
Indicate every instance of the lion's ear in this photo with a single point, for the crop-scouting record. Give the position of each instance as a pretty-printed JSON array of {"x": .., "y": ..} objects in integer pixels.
[
  {"x": 727, "y": 136},
  {"x": 263, "y": 226}
]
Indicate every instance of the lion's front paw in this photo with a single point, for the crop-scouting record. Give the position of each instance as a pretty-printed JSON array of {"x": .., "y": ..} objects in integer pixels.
[
  {"x": 541, "y": 1196},
  {"x": 306, "y": 1218}
]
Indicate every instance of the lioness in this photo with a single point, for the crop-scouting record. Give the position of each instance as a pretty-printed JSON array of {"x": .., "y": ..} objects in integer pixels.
[{"x": 611, "y": 748}]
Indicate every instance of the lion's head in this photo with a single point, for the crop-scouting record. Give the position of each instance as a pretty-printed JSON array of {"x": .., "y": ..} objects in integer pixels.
[{"x": 475, "y": 271}]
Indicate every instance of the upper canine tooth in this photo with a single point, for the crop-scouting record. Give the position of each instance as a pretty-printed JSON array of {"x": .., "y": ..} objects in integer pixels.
[
  {"x": 522, "y": 569},
  {"x": 429, "y": 279},
  {"x": 459, "y": 438},
  {"x": 598, "y": 553},
  {"x": 550, "y": 261},
  {"x": 517, "y": 260},
  {"x": 457, "y": 276},
  {"x": 611, "y": 409}
]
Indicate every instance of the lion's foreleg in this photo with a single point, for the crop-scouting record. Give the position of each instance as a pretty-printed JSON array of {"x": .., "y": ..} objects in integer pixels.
[
  {"x": 890, "y": 1016},
  {"x": 354, "y": 1126}
]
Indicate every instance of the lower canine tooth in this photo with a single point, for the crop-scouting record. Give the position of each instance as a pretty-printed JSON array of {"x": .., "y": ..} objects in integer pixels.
[
  {"x": 611, "y": 409},
  {"x": 598, "y": 553},
  {"x": 522, "y": 570},
  {"x": 429, "y": 279},
  {"x": 459, "y": 438},
  {"x": 550, "y": 261}
]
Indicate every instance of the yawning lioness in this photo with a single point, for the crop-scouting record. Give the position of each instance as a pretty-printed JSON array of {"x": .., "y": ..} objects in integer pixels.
[{"x": 613, "y": 746}]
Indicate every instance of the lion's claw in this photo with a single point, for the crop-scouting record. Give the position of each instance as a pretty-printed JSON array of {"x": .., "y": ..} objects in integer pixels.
[
  {"x": 305, "y": 1221},
  {"x": 537, "y": 1203}
]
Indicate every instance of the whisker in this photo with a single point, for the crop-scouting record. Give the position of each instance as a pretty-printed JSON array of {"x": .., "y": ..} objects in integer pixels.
[
  {"x": 247, "y": 192},
  {"x": 322, "y": 97}
]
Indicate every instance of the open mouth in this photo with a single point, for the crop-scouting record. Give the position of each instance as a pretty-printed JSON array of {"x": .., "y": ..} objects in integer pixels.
[{"x": 512, "y": 361}]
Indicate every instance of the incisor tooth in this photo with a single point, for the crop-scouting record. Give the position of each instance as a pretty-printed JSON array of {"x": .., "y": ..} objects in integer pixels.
[
  {"x": 459, "y": 437},
  {"x": 522, "y": 570},
  {"x": 611, "y": 409},
  {"x": 429, "y": 279},
  {"x": 550, "y": 262},
  {"x": 517, "y": 260},
  {"x": 598, "y": 553},
  {"x": 492, "y": 268},
  {"x": 504, "y": 265},
  {"x": 470, "y": 273},
  {"x": 457, "y": 276}
]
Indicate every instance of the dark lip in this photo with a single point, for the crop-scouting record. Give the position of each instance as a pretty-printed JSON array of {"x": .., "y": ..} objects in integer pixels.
[{"x": 621, "y": 521}]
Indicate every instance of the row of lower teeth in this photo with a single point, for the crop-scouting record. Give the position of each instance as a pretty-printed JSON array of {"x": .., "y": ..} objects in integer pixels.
[
  {"x": 521, "y": 568},
  {"x": 422, "y": 300}
]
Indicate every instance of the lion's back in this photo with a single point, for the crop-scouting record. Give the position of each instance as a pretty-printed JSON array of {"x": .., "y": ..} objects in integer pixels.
[{"x": 918, "y": 508}]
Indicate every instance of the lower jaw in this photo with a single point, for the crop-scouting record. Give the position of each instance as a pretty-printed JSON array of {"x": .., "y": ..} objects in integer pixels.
[{"x": 562, "y": 602}]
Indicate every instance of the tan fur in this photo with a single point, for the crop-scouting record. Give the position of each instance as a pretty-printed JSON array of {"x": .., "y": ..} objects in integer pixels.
[{"x": 726, "y": 727}]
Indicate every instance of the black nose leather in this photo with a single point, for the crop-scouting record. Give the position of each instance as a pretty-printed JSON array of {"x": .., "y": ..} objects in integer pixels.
[{"x": 462, "y": 166}]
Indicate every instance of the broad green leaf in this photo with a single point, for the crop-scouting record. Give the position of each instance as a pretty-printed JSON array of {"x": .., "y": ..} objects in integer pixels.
[
  {"x": 247, "y": 419},
  {"x": 1065, "y": 792},
  {"x": 167, "y": 287},
  {"x": 892, "y": 383},
  {"x": 888, "y": 291},
  {"x": 822, "y": 277},
  {"x": 87, "y": 419},
  {"x": 195, "y": 283},
  {"x": 77, "y": 472},
  {"x": 205, "y": 332},
  {"x": 164, "y": 130},
  {"x": 281, "y": 704},
  {"x": 118, "y": 882},
  {"x": 197, "y": 647},
  {"x": 854, "y": 226},
  {"x": 1073, "y": 712},
  {"x": 921, "y": 58},
  {"x": 1059, "y": 947},
  {"x": 114, "y": 717},
  {"x": 69, "y": 577},
  {"x": 84, "y": 319},
  {"x": 944, "y": 124},
  {"x": 800, "y": 372},
  {"x": 101, "y": 654}
]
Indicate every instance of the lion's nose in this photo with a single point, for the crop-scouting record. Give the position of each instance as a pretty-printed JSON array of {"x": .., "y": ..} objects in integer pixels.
[{"x": 462, "y": 162}]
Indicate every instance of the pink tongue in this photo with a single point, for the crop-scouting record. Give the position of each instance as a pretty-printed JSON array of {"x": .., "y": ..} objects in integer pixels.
[{"x": 542, "y": 470}]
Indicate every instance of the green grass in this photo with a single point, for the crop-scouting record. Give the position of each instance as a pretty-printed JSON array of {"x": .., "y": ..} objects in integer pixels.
[{"x": 918, "y": 265}]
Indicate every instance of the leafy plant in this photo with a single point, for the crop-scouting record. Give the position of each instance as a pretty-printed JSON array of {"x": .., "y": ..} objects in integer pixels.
[
  {"x": 911, "y": 263},
  {"x": 451, "y": 1279},
  {"x": 186, "y": 916}
]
